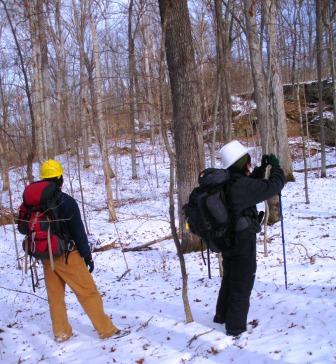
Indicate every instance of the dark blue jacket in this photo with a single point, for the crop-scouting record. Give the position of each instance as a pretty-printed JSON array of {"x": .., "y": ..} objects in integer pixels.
[{"x": 72, "y": 223}]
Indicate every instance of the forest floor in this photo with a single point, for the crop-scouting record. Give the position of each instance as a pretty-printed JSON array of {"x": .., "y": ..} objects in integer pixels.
[{"x": 295, "y": 325}]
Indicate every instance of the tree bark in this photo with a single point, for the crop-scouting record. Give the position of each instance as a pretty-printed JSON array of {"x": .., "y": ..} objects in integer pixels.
[
  {"x": 131, "y": 76},
  {"x": 100, "y": 125},
  {"x": 45, "y": 82},
  {"x": 319, "y": 51},
  {"x": 260, "y": 89},
  {"x": 32, "y": 149},
  {"x": 62, "y": 124},
  {"x": 223, "y": 46},
  {"x": 81, "y": 22},
  {"x": 276, "y": 90},
  {"x": 36, "y": 88},
  {"x": 4, "y": 150},
  {"x": 187, "y": 126},
  {"x": 331, "y": 14}
]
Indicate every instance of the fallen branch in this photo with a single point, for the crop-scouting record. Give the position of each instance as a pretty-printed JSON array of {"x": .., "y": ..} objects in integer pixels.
[
  {"x": 16, "y": 290},
  {"x": 146, "y": 245},
  {"x": 314, "y": 168},
  {"x": 106, "y": 247},
  {"x": 196, "y": 336},
  {"x": 123, "y": 275},
  {"x": 145, "y": 324},
  {"x": 317, "y": 217},
  {"x": 312, "y": 258}
]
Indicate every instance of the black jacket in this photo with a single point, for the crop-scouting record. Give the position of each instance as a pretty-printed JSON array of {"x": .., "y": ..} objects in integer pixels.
[
  {"x": 72, "y": 224},
  {"x": 245, "y": 192}
]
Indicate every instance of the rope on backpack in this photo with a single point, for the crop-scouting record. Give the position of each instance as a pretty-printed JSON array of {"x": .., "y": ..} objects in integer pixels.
[{"x": 26, "y": 255}]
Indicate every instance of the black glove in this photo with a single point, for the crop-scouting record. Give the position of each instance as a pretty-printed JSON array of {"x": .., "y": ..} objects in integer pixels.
[
  {"x": 265, "y": 161},
  {"x": 273, "y": 160},
  {"x": 260, "y": 216},
  {"x": 89, "y": 262},
  {"x": 258, "y": 172}
]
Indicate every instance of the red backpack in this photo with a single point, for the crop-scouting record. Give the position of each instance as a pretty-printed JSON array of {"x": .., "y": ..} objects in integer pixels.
[{"x": 38, "y": 220}]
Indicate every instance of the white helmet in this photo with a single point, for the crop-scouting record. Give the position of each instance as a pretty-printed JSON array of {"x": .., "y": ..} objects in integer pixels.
[{"x": 231, "y": 152}]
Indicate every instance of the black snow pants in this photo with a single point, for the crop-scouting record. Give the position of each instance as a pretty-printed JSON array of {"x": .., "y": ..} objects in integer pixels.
[{"x": 239, "y": 268}]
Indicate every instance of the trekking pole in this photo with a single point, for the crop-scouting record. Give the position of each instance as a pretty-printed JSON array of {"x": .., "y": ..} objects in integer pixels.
[
  {"x": 32, "y": 277},
  {"x": 283, "y": 239}
]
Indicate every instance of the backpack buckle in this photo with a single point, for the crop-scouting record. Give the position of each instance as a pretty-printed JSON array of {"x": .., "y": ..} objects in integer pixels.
[{"x": 71, "y": 246}]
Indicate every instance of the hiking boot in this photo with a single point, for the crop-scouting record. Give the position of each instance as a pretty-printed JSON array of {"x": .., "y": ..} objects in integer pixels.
[
  {"x": 106, "y": 335},
  {"x": 219, "y": 319},
  {"x": 62, "y": 337},
  {"x": 234, "y": 333}
]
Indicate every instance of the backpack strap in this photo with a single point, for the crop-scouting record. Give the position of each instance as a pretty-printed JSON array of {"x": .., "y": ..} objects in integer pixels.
[
  {"x": 32, "y": 274},
  {"x": 49, "y": 247},
  {"x": 233, "y": 218},
  {"x": 70, "y": 246},
  {"x": 57, "y": 223},
  {"x": 26, "y": 254},
  {"x": 202, "y": 252},
  {"x": 208, "y": 256}
]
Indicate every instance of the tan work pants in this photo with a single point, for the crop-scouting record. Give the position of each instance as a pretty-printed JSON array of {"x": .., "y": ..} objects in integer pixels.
[{"x": 75, "y": 274}]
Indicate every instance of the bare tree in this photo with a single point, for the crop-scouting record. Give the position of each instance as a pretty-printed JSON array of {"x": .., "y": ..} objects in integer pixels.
[
  {"x": 268, "y": 91},
  {"x": 4, "y": 148},
  {"x": 80, "y": 18},
  {"x": 61, "y": 126},
  {"x": 276, "y": 90},
  {"x": 131, "y": 76},
  {"x": 259, "y": 82},
  {"x": 99, "y": 124},
  {"x": 32, "y": 149},
  {"x": 329, "y": 17},
  {"x": 319, "y": 35},
  {"x": 223, "y": 46},
  {"x": 188, "y": 135},
  {"x": 186, "y": 116}
]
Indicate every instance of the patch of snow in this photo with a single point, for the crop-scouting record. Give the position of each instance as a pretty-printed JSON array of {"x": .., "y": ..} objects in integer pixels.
[{"x": 296, "y": 325}]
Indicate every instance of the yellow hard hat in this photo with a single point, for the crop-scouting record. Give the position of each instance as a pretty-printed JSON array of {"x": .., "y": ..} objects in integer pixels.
[{"x": 51, "y": 169}]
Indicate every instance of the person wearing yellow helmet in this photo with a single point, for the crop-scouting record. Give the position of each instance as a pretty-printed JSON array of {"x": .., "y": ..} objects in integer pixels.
[
  {"x": 51, "y": 169},
  {"x": 72, "y": 269}
]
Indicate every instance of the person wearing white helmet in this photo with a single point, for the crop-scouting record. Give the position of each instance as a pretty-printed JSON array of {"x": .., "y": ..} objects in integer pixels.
[{"x": 246, "y": 190}]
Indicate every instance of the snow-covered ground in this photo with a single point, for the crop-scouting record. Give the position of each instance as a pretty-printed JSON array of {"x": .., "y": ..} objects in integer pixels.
[{"x": 296, "y": 325}]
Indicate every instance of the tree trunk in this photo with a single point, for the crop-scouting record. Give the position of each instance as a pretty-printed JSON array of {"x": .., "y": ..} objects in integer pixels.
[
  {"x": 148, "y": 56},
  {"x": 131, "y": 75},
  {"x": 188, "y": 134},
  {"x": 319, "y": 51},
  {"x": 45, "y": 82},
  {"x": 223, "y": 46},
  {"x": 100, "y": 124},
  {"x": 331, "y": 13},
  {"x": 4, "y": 150},
  {"x": 36, "y": 88},
  {"x": 81, "y": 21},
  {"x": 276, "y": 90},
  {"x": 260, "y": 91},
  {"x": 270, "y": 102},
  {"x": 62, "y": 127},
  {"x": 303, "y": 143},
  {"x": 32, "y": 150},
  {"x": 185, "y": 298}
]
